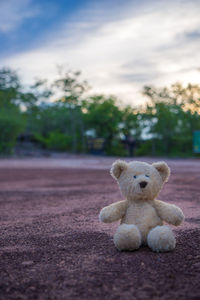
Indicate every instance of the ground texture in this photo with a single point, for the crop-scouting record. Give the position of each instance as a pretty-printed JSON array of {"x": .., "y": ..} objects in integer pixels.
[{"x": 52, "y": 245}]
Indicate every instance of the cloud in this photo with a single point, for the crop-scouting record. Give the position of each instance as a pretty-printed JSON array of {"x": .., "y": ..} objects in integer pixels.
[
  {"x": 148, "y": 44},
  {"x": 13, "y": 12},
  {"x": 192, "y": 35}
]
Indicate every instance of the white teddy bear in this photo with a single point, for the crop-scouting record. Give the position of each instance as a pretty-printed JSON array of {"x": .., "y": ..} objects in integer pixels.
[{"x": 141, "y": 214}]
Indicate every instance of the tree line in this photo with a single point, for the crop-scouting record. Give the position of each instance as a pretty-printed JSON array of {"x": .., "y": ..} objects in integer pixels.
[{"x": 163, "y": 126}]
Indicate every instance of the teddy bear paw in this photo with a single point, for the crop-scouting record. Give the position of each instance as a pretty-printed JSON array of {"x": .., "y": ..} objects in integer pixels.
[
  {"x": 104, "y": 215},
  {"x": 127, "y": 237},
  {"x": 178, "y": 218},
  {"x": 161, "y": 239}
]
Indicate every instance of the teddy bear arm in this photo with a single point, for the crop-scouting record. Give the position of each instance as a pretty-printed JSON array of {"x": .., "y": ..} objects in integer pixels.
[
  {"x": 169, "y": 213},
  {"x": 113, "y": 212}
]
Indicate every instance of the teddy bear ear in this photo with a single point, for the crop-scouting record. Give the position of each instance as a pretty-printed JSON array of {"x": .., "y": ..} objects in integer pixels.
[
  {"x": 117, "y": 168},
  {"x": 163, "y": 169}
]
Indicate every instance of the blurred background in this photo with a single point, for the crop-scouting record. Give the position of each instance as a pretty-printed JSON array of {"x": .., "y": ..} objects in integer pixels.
[{"x": 103, "y": 77}]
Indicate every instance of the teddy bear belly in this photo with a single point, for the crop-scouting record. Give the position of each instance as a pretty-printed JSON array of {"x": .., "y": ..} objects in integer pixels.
[{"x": 144, "y": 216}]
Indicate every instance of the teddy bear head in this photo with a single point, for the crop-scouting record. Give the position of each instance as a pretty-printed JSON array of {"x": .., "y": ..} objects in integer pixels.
[{"x": 139, "y": 180}]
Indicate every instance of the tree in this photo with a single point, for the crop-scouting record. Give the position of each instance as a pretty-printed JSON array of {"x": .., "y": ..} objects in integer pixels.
[
  {"x": 51, "y": 127},
  {"x": 12, "y": 92},
  {"x": 103, "y": 115},
  {"x": 131, "y": 125},
  {"x": 72, "y": 89},
  {"x": 12, "y": 121},
  {"x": 173, "y": 115},
  {"x": 10, "y": 88}
]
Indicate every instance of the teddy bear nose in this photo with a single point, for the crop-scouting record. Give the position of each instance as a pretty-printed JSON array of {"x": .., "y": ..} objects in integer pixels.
[{"x": 143, "y": 184}]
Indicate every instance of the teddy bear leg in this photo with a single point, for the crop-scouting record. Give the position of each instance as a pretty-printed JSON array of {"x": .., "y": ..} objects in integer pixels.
[
  {"x": 161, "y": 239},
  {"x": 127, "y": 237}
]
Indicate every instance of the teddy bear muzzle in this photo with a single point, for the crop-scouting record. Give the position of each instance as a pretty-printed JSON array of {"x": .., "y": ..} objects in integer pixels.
[{"x": 143, "y": 184}]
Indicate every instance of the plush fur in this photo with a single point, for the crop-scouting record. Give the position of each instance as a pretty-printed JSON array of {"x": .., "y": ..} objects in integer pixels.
[{"x": 141, "y": 214}]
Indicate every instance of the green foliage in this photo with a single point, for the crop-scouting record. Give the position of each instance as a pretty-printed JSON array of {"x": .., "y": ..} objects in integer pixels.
[
  {"x": 103, "y": 115},
  {"x": 71, "y": 86},
  {"x": 10, "y": 88},
  {"x": 12, "y": 122},
  {"x": 145, "y": 148},
  {"x": 172, "y": 114},
  {"x": 46, "y": 118},
  {"x": 163, "y": 127},
  {"x": 130, "y": 124},
  {"x": 116, "y": 148},
  {"x": 55, "y": 140}
]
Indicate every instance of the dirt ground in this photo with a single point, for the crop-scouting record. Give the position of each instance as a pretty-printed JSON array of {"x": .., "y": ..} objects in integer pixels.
[{"x": 52, "y": 245}]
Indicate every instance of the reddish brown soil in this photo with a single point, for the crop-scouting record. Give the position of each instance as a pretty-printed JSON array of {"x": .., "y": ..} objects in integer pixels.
[{"x": 52, "y": 245}]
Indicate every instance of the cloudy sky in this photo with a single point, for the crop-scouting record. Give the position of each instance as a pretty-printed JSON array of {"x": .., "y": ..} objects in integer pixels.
[{"x": 119, "y": 46}]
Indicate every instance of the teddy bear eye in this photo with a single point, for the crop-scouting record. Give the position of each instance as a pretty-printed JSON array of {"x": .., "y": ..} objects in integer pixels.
[
  {"x": 134, "y": 176},
  {"x": 147, "y": 175}
]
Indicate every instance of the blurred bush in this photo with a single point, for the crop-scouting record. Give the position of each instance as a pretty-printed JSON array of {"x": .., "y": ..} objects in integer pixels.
[
  {"x": 12, "y": 123},
  {"x": 55, "y": 141}
]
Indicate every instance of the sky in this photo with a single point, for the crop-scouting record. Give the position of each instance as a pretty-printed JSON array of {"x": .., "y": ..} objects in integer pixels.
[{"x": 119, "y": 46}]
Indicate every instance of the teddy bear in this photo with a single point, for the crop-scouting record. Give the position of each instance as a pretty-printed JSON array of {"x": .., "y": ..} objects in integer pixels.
[{"x": 141, "y": 215}]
